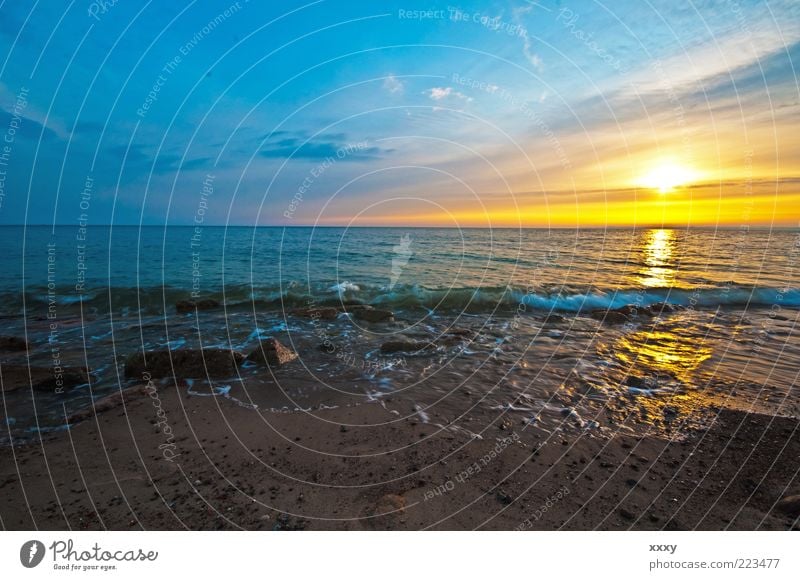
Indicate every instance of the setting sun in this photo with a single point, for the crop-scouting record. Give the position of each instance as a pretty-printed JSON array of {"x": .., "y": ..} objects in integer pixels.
[{"x": 668, "y": 175}]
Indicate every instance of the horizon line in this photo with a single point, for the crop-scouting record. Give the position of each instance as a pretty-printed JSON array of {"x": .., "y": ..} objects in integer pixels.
[{"x": 503, "y": 227}]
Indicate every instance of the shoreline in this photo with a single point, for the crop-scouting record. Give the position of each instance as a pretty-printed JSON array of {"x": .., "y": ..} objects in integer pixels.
[{"x": 365, "y": 467}]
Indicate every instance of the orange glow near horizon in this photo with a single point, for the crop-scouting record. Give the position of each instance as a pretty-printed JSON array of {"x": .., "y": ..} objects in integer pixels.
[
  {"x": 646, "y": 190},
  {"x": 681, "y": 207}
]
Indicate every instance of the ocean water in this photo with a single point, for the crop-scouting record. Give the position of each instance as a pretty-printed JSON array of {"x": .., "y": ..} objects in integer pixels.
[
  {"x": 473, "y": 269},
  {"x": 522, "y": 321}
]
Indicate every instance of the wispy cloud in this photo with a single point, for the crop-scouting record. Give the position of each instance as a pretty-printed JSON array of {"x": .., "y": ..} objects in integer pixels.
[
  {"x": 527, "y": 45},
  {"x": 442, "y": 93},
  {"x": 742, "y": 37},
  {"x": 393, "y": 85}
]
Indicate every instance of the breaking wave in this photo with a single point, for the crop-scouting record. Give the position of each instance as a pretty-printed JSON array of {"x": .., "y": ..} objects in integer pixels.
[{"x": 480, "y": 299}]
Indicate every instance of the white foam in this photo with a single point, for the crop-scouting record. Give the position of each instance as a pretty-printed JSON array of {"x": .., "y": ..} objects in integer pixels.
[{"x": 343, "y": 287}]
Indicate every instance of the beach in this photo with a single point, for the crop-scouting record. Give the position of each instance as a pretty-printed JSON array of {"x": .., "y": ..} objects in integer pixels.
[
  {"x": 379, "y": 383},
  {"x": 228, "y": 469}
]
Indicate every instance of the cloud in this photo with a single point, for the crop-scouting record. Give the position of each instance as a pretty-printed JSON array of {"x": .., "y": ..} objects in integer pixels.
[
  {"x": 141, "y": 160},
  {"x": 393, "y": 85},
  {"x": 527, "y": 45},
  {"x": 437, "y": 93},
  {"x": 745, "y": 42},
  {"x": 173, "y": 163},
  {"x": 94, "y": 128},
  {"x": 335, "y": 145},
  {"x": 441, "y": 93},
  {"x": 532, "y": 57},
  {"x": 25, "y": 128},
  {"x": 24, "y": 121},
  {"x": 740, "y": 95}
]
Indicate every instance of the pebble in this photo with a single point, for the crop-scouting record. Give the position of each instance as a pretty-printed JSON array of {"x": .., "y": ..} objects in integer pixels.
[{"x": 790, "y": 505}]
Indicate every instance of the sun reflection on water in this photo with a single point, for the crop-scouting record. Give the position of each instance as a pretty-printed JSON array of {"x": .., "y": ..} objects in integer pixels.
[
  {"x": 663, "y": 362},
  {"x": 675, "y": 352},
  {"x": 658, "y": 248}
]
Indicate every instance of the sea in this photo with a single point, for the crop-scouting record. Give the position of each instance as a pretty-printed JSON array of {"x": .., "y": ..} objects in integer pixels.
[{"x": 589, "y": 329}]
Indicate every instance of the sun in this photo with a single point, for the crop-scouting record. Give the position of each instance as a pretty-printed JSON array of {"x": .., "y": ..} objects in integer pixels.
[{"x": 667, "y": 175}]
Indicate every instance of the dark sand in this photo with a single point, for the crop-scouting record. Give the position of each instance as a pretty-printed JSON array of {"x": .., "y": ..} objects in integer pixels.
[{"x": 236, "y": 468}]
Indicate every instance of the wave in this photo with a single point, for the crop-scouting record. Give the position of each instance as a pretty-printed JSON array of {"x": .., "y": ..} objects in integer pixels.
[
  {"x": 471, "y": 299},
  {"x": 575, "y": 300},
  {"x": 703, "y": 298}
]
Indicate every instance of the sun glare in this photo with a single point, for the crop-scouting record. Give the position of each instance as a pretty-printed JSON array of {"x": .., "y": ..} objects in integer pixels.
[{"x": 667, "y": 176}]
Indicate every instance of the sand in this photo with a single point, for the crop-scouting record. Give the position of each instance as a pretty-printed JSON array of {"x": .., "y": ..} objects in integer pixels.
[{"x": 169, "y": 461}]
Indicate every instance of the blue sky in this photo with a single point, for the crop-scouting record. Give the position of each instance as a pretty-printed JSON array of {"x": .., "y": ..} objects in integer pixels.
[{"x": 391, "y": 112}]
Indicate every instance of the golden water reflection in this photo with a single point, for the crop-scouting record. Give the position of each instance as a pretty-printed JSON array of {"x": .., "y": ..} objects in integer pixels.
[
  {"x": 675, "y": 352},
  {"x": 664, "y": 364},
  {"x": 658, "y": 248}
]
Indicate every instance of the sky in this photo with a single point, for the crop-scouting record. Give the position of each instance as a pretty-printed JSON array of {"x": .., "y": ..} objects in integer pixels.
[{"x": 456, "y": 114}]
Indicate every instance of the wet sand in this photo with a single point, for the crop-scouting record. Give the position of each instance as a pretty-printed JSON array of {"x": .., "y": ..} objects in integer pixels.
[{"x": 167, "y": 460}]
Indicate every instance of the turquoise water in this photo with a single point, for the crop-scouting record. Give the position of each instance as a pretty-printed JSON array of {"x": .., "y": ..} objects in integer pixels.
[{"x": 472, "y": 269}]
